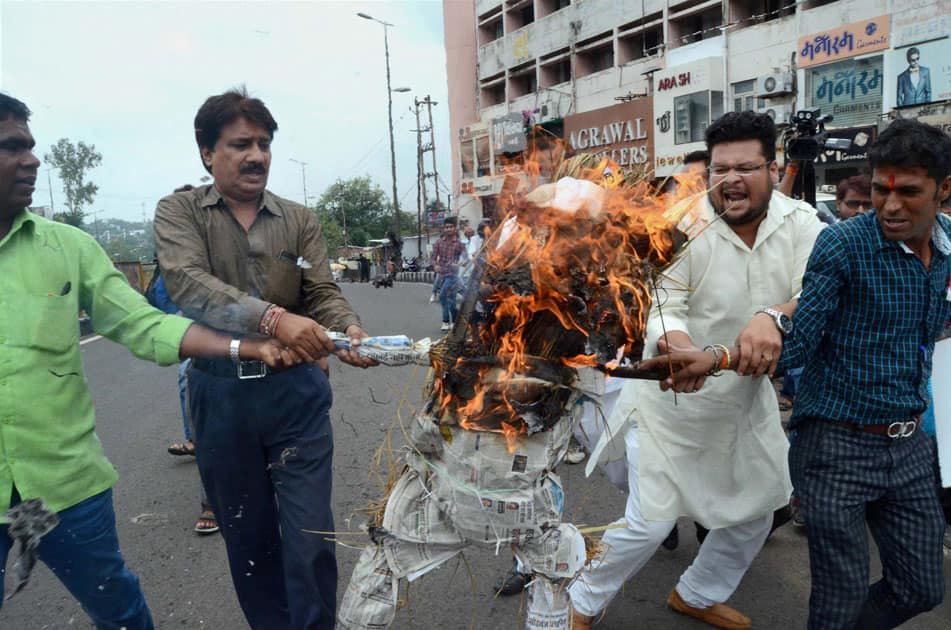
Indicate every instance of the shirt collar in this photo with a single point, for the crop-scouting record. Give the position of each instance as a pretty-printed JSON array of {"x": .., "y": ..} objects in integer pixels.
[
  {"x": 212, "y": 198},
  {"x": 939, "y": 235},
  {"x": 20, "y": 221}
]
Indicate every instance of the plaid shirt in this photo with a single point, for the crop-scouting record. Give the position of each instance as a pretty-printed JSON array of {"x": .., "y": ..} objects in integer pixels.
[
  {"x": 866, "y": 324},
  {"x": 446, "y": 255}
]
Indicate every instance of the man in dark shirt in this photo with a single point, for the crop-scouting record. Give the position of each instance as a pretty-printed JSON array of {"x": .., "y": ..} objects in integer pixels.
[
  {"x": 874, "y": 300},
  {"x": 241, "y": 259},
  {"x": 448, "y": 252}
]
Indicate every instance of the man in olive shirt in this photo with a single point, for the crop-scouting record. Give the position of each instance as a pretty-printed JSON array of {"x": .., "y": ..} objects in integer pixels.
[
  {"x": 48, "y": 447},
  {"x": 238, "y": 258}
]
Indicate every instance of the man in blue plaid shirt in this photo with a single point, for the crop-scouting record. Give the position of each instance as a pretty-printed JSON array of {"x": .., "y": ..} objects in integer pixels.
[{"x": 875, "y": 298}]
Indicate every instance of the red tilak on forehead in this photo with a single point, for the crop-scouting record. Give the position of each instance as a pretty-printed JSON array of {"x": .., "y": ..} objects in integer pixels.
[{"x": 891, "y": 182}]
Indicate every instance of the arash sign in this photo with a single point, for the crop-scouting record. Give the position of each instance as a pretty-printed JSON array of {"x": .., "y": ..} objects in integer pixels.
[{"x": 620, "y": 132}]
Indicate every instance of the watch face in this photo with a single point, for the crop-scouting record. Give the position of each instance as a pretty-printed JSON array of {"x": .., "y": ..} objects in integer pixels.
[{"x": 785, "y": 324}]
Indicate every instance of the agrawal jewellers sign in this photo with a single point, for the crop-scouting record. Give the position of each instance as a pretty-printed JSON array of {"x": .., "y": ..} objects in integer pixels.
[
  {"x": 620, "y": 132},
  {"x": 846, "y": 41}
]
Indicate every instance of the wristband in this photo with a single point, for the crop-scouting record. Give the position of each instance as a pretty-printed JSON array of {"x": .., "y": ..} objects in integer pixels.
[
  {"x": 715, "y": 370},
  {"x": 269, "y": 322}
]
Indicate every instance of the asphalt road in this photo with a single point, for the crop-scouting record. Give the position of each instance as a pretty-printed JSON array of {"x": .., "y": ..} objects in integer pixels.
[{"x": 185, "y": 577}]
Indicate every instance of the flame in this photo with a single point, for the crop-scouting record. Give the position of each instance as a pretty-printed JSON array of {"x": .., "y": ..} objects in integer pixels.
[{"x": 566, "y": 283}]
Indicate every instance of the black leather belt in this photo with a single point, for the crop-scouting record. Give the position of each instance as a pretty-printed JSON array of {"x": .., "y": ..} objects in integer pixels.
[
  {"x": 228, "y": 368},
  {"x": 894, "y": 430}
]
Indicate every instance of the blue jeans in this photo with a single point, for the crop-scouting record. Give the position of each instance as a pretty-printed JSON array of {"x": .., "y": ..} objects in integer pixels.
[
  {"x": 265, "y": 449},
  {"x": 83, "y": 552},
  {"x": 449, "y": 286},
  {"x": 183, "y": 396}
]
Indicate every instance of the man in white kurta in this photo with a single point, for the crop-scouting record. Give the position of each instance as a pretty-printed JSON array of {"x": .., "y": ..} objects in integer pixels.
[{"x": 717, "y": 456}]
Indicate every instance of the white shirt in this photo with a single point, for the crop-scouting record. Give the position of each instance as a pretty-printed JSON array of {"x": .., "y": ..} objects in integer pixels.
[{"x": 718, "y": 456}]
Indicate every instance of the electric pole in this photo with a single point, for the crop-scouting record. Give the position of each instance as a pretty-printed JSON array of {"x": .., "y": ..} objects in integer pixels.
[{"x": 422, "y": 149}]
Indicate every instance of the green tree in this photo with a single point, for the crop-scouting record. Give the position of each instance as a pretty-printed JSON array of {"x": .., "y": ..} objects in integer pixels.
[
  {"x": 332, "y": 233},
  {"x": 72, "y": 162},
  {"x": 355, "y": 204}
]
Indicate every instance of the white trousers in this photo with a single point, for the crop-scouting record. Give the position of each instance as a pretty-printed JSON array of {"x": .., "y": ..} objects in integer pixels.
[{"x": 723, "y": 559}]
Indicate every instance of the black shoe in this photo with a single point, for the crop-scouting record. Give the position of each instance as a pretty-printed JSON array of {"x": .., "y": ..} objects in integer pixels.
[
  {"x": 673, "y": 539},
  {"x": 512, "y": 584},
  {"x": 780, "y": 517},
  {"x": 701, "y": 532}
]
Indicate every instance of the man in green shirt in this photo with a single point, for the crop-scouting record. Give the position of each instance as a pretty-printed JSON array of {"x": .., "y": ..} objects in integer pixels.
[{"x": 48, "y": 446}]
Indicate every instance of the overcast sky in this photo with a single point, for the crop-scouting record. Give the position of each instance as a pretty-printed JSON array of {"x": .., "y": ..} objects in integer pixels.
[{"x": 128, "y": 77}]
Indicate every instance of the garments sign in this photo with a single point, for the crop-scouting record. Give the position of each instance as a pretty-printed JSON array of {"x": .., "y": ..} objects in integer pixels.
[
  {"x": 859, "y": 138},
  {"x": 858, "y": 38},
  {"x": 927, "y": 82},
  {"x": 620, "y": 132},
  {"x": 850, "y": 90},
  {"x": 508, "y": 133}
]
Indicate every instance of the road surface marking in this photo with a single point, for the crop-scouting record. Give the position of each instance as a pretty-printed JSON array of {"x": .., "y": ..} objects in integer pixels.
[{"x": 83, "y": 342}]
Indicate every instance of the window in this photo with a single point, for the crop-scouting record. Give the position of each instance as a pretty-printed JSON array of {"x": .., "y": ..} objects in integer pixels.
[
  {"x": 467, "y": 158},
  {"x": 555, "y": 72},
  {"x": 696, "y": 27},
  {"x": 547, "y": 7},
  {"x": 523, "y": 81},
  {"x": 595, "y": 55},
  {"x": 518, "y": 14},
  {"x": 744, "y": 97},
  {"x": 491, "y": 26},
  {"x": 691, "y": 117},
  {"x": 483, "y": 163},
  {"x": 750, "y": 12},
  {"x": 493, "y": 92}
]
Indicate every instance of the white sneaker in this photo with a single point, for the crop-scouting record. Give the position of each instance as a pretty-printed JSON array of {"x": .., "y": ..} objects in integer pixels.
[
  {"x": 432, "y": 298},
  {"x": 445, "y": 326}
]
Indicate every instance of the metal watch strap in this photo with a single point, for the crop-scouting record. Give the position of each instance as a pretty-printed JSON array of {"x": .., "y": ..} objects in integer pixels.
[
  {"x": 776, "y": 315},
  {"x": 234, "y": 350}
]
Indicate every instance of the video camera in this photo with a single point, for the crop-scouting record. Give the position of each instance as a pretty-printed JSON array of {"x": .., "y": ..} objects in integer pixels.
[{"x": 810, "y": 136}]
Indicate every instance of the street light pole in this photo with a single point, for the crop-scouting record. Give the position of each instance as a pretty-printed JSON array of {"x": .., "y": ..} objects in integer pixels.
[
  {"x": 303, "y": 177},
  {"x": 389, "y": 110}
]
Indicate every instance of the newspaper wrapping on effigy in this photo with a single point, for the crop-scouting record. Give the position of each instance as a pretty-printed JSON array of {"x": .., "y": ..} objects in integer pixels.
[{"x": 558, "y": 292}]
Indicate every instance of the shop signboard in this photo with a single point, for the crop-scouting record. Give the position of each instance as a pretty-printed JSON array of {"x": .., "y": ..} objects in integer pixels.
[
  {"x": 508, "y": 133},
  {"x": 919, "y": 74},
  {"x": 842, "y": 42},
  {"x": 686, "y": 99},
  {"x": 619, "y": 132},
  {"x": 859, "y": 140},
  {"x": 850, "y": 90}
]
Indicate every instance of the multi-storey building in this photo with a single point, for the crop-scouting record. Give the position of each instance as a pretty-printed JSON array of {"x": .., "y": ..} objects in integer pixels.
[{"x": 640, "y": 80}]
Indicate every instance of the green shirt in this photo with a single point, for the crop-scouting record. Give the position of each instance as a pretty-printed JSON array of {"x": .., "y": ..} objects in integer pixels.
[{"x": 48, "y": 272}]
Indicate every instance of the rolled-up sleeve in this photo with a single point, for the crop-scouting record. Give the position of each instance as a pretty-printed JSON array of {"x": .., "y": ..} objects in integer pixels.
[
  {"x": 322, "y": 297},
  {"x": 120, "y": 313},
  {"x": 184, "y": 259}
]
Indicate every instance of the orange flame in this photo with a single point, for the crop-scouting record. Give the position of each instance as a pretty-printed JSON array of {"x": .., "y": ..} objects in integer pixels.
[{"x": 567, "y": 284}]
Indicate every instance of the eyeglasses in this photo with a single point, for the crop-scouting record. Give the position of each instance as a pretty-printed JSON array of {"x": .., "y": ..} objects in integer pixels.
[
  {"x": 742, "y": 170},
  {"x": 855, "y": 204}
]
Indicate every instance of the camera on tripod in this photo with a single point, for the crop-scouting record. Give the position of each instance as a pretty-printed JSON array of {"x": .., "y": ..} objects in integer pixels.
[{"x": 810, "y": 136}]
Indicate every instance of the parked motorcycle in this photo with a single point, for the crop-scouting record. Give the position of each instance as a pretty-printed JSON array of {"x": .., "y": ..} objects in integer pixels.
[{"x": 411, "y": 264}]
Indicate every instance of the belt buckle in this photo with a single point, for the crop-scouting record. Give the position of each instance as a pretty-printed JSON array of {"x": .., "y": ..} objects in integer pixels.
[
  {"x": 255, "y": 369},
  {"x": 901, "y": 429}
]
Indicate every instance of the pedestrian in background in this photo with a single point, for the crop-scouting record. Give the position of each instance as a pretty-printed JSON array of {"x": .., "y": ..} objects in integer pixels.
[
  {"x": 244, "y": 260},
  {"x": 853, "y": 196},
  {"x": 48, "y": 446},
  {"x": 448, "y": 254}
]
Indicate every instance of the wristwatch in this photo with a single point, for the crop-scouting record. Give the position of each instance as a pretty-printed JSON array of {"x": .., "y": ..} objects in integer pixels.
[
  {"x": 234, "y": 351},
  {"x": 783, "y": 323}
]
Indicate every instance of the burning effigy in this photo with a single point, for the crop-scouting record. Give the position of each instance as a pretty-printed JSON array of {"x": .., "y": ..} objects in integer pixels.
[{"x": 557, "y": 298}]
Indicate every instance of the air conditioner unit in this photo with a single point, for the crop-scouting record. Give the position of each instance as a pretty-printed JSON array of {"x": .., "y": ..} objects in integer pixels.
[
  {"x": 779, "y": 113},
  {"x": 774, "y": 84}
]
